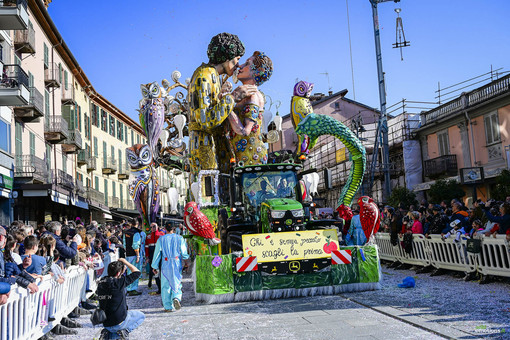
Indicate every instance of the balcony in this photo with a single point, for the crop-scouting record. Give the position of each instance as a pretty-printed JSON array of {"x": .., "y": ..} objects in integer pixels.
[
  {"x": 94, "y": 195},
  {"x": 33, "y": 110},
  {"x": 24, "y": 41},
  {"x": 123, "y": 172},
  {"x": 13, "y": 15},
  {"x": 91, "y": 164},
  {"x": 65, "y": 180},
  {"x": 14, "y": 86},
  {"x": 83, "y": 157},
  {"x": 441, "y": 166},
  {"x": 30, "y": 167},
  {"x": 56, "y": 129},
  {"x": 80, "y": 188},
  {"x": 129, "y": 204},
  {"x": 68, "y": 94},
  {"x": 114, "y": 202},
  {"x": 73, "y": 143},
  {"x": 109, "y": 166},
  {"x": 51, "y": 76}
]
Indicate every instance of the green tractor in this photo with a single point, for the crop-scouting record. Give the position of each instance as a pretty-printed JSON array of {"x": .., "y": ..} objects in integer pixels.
[{"x": 263, "y": 199}]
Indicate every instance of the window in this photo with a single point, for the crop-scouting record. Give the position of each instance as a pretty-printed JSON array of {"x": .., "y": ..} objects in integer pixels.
[
  {"x": 113, "y": 154},
  {"x": 132, "y": 138},
  {"x": 60, "y": 73},
  {"x": 106, "y": 191},
  {"x": 46, "y": 107},
  {"x": 121, "y": 189},
  {"x": 94, "y": 114},
  {"x": 125, "y": 133},
  {"x": 137, "y": 139},
  {"x": 492, "y": 128},
  {"x": 87, "y": 182},
  {"x": 32, "y": 143},
  {"x": 86, "y": 121},
  {"x": 96, "y": 183},
  {"x": 66, "y": 77},
  {"x": 5, "y": 136},
  {"x": 18, "y": 147},
  {"x": 112, "y": 126},
  {"x": 64, "y": 162},
  {"x": 105, "y": 155},
  {"x": 104, "y": 121},
  {"x": 87, "y": 150},
  {"x": 95, "y": 147},
  {"x": 114, "y": 189},
  {"x": 120, "y": 130},
  {"x": 443, "y": 143},
  {"x": 48, "y": 156},
  {"x": 120, "y": 160},
  {"x": 46, "y": 56}
]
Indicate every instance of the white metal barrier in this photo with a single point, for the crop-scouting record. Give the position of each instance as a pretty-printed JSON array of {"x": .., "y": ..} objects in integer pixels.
[
  {"x": 25, "y": 315},
  {"x": 494, "y": 258}
]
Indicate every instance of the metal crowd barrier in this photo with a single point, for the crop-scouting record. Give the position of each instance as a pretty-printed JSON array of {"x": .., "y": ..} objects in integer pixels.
[
  {"x": 25, "y": 315},
  {"x": 493, "y": 259}
]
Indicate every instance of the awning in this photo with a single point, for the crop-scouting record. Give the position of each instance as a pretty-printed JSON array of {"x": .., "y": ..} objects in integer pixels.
[
  {"x": 121, "y": 216},
  {"x": 98, "y": 206},
  {"x": 58, "y": 197},
  {"x": 79, "y": 202}
]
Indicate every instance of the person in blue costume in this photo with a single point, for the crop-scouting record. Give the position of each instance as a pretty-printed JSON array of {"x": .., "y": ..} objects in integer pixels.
[
  {"x": 132, "y": 244},
  {"x": 356, "y": 235},
  {"x": 171, "y": 250}
]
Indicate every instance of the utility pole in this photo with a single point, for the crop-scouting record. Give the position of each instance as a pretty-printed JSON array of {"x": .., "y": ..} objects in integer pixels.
[{"x": 382, "y": 126}]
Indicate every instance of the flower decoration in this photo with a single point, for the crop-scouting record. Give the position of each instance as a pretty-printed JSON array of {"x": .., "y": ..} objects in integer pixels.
[
  {"x": 255, "y": 128},
  {"x": 217, "y": 261},
  {"x": 241, "y": 145}
]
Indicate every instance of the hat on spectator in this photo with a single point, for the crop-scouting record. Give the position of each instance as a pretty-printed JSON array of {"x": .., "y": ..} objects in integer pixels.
[
  {"x": 454, "y": 223},
  {"x": 4, "y": 286},
  {"x": 437, "y": 207}
]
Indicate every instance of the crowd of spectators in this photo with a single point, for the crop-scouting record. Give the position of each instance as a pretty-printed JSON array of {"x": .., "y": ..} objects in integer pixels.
[{"x": 448, "y": 219}]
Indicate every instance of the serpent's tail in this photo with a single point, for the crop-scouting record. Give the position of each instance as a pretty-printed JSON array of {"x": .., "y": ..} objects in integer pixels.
[{"x": 315, "y": 125}]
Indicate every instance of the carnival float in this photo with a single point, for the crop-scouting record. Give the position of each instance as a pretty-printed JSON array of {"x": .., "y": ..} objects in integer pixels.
[{"x": 248, "y": 212}]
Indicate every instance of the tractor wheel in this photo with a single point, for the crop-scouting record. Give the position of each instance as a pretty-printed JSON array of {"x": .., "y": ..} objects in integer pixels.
[{"x": 235, "y": 241}]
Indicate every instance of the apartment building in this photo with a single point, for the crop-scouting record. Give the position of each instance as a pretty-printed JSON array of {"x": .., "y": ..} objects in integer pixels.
[
  {"x": 14, "y": 90},
  {"x": 467, "y": 139},
  {"x": 64, "y": 154}
]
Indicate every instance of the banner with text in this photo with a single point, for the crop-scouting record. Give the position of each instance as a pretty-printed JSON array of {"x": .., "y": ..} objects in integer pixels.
[{"x": 292, "y": 245}]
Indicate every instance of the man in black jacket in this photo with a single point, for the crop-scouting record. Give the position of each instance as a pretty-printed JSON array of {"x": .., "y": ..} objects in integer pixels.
[{"x": 111, "y": 293}]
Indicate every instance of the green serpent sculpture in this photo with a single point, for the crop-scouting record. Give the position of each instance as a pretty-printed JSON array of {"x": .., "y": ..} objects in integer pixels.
[{"x": 311, "y": 125}]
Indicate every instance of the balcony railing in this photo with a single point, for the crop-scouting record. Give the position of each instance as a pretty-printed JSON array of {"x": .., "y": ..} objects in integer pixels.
[
  {"x": 83, "y": 157},
  {"x": 65, "y": 180},
  {"x": 114, "y": 202},
  {"x": 91, "y": 164},
  {"x": 80, "y": 188},
  {"x": 68, "y": 94},
  {"x": 32, "y": 167},
  {"x": 73, "y": 143},
  {"x": 467, "y": 100},
  {"x": 24, "y": 40},
  {"x": 109, "y": 166},
  {"x": 52, "y": 76},
  {"x": 129, "y": 204},
  {"x": 14, "y": 86},
  {"x": 123, "y": 172},
  {"x": 94, "y": 195},
  {"x": 56, "y": 129},
  {"x": 13, "y": 15},
  {"x": 441, "y": 166},
  {"x": 33, "y": 110}
]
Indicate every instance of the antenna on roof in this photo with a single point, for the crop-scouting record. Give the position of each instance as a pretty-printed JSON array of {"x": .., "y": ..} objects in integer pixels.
[
  {"x": 327, "y": 75},
  {"x": 400, "y": 35}
]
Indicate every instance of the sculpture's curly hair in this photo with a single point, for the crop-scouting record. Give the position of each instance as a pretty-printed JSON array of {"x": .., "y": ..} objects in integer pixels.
[
  {"x": 262, "y": 67},
  {"x": 224, "y": 47}
]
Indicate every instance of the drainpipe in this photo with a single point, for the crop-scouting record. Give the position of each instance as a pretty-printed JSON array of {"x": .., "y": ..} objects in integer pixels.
[{"x": 472, "y": 137}]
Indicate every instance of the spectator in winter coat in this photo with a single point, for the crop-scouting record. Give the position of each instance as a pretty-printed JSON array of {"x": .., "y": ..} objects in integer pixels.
[
  {"x": 461, "y": 215},
  {"x": 417, "y": 227},
  {"x": 65, "y": 251},
  {"x": 437, "y": 221},
  {"x": 503, "y": 220}
]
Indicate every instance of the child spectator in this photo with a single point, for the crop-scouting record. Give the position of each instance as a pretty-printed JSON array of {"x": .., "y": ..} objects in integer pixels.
[
  {"x": 32, "y": 263},
  {"x": 457, "y": 229}
]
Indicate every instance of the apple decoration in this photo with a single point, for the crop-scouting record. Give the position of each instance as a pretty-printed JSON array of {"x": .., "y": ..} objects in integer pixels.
[{"x": 329, "y": 246}]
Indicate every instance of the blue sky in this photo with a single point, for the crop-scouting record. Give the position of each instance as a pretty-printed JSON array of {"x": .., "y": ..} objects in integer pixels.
[{"x": 121, "y": 44}]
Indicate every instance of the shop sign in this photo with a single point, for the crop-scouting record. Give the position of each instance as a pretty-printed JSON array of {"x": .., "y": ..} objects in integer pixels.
[{"x": 290, "y": 246}]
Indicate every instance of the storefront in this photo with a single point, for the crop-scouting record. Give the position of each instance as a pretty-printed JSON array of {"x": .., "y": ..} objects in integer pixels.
[{"x": 5, "y": 199}]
